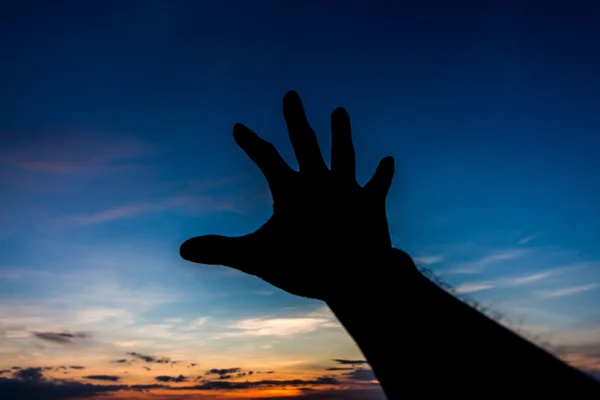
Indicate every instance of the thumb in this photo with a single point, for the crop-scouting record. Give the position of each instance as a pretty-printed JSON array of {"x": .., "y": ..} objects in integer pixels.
[
  {"x": 382, "y": 179},
  {"x": 218, "y": 250}
]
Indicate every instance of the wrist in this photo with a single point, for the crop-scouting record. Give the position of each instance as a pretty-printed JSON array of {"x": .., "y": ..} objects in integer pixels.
[{"x": 391, "y": 276}]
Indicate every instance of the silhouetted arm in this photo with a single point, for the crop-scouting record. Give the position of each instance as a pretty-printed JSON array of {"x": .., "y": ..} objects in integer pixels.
[
  {"x": 419, "y": 339},
  {"x": 328, "y": 239}
]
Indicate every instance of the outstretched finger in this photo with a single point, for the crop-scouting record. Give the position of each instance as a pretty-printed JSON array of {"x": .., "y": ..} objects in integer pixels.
[
  {"x": 219, "y": 250},
  {"x": 381, "y": 181},
  {"x": 343, "y": 162},
  {"x": 303, "y": 138},
  {"x": 263, "y": 153}
]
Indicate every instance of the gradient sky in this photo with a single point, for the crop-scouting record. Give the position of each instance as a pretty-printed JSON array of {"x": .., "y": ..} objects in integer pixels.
[{"x": 115, "y": 124}]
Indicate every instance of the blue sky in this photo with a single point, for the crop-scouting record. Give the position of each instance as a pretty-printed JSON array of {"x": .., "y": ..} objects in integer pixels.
[{"x": 116, "y": 130}]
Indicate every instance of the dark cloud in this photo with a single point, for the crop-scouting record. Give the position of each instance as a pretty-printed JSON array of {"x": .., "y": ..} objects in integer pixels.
[
  {"x": 50, "y": 390},
  {"x": 166, "y": 378},
  {"x": 30, "y": 384},
  {"x": 323, "y": 380},
  {"x": 229, "y": 385},
  {"x": 594, "y": 374},
  {"x": 223, "y": 371},
  {"x": 29, "y": 374},
  {"x": 349, "y": 362},
  {"x": 340, "y": 369},
  {"x": 111, "y": 378},
  {"x": 64, "y": 367},
  {"x": 192, "y": 365},
  {"x": 152, "y": 359},
  {"x": 59, "y": 337},
  {"x": 361, "y": 374},
  {"x": 122, "y": 361},
  {"x": 147, "y": 368},
  {"x": 146, "y": 387}
]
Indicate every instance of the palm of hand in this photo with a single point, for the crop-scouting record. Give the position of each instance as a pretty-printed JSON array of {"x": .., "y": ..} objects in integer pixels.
[{"x": 322, "y": 221}]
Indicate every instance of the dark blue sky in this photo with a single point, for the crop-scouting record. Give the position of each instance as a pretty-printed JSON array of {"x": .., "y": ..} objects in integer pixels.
[{"x": 116, "y": 120}]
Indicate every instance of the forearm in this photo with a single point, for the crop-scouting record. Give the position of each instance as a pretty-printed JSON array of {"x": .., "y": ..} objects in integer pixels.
[{"x": 419, "y": 337}]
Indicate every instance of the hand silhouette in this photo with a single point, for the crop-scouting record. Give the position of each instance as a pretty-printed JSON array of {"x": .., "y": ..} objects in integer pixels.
[{"x": 326, "y": 229}]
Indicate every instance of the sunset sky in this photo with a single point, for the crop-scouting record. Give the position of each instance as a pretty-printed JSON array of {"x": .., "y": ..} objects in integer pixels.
[{"x": 116, "y": 146}]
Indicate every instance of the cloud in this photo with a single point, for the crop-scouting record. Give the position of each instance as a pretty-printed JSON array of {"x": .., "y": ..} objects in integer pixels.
[
  {"x": 151, "y": 359},
  {"x": 30, "y": 374},
  {"x": 280, "y": 327},
  {"x": 223, "y": 371},
  {"x": 582, "y": 354},
  {"x": 51, "y": 390},
  {"x": 59, "y": 337},
  {"x": 361, "y": 374},
  {"x": 472, "y": 287},
  {"x": 339, "y": 369},
  {"x": 39, "y": 388},
  {"x": 428, "y": 260},
  {"x": 594, "y": 374},
  {"x": 76, "y": 154},
  {"x": 189, "y": 204},
  {"x": 528, "y": 239},
  {"x": 196, "y": 324},
  {"x": 350, "y": 362},
  {"x": 111, "y": 214},
  {"x": 522, "y": 280},
  {"x": 584, "y": 340},
  {"x": 110, "y": 378},
  {"x": 538, "y": 276},
  {"x": 512, "y": 281},
  {"x": 228, "y": 385},
  {"x": 477, "y": 266},
  {"x": 165, "y": 378},
  {"x": 568, "y": 290},
  {"x": 21, "y": 372}
]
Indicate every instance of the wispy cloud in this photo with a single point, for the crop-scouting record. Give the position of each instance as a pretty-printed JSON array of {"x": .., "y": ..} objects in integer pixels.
[
  {"x": 196, "y": 324},
  {"x": 568, "y": 290},
  {"x": 126, "y": 211},
  {"x": 538, "y": 276},
  {"x": 198, "y": 204},
  {"x": 276, "y": 326},
  {"x": 428, "y": 260},
  {"x": 283, "y": 326},
  {"x": 479, "y": 265},
  {"x": 512, "y": 281},
  {"x": 472, "y": 287},
  {"x": 75, "y": 154},
  {"x": 528, "y": 239},
  {"x": 522, "y": 280}
]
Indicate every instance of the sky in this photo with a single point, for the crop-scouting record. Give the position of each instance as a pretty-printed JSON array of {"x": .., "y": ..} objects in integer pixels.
[{"x": 116, "y": 129}]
